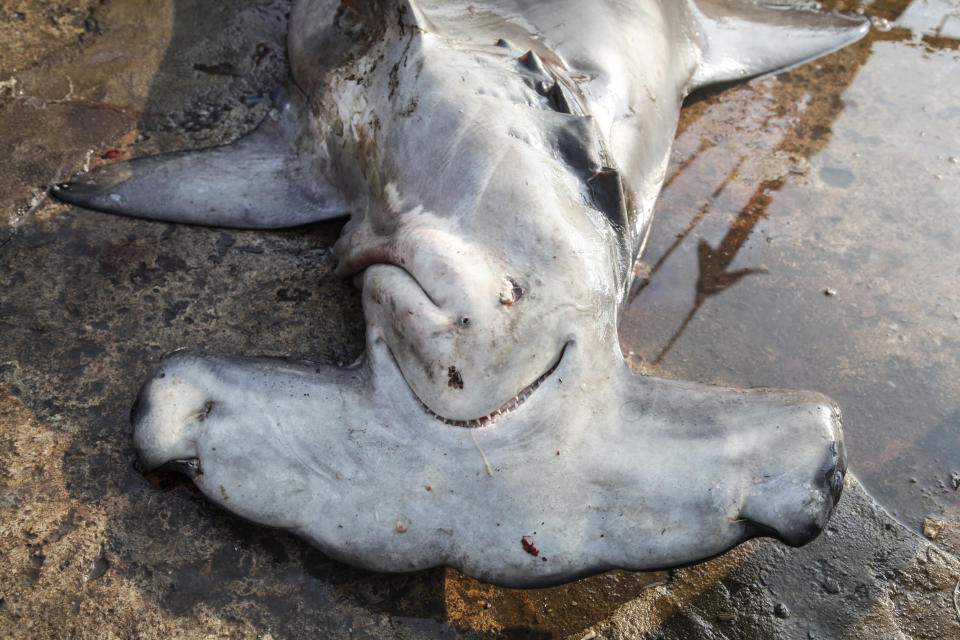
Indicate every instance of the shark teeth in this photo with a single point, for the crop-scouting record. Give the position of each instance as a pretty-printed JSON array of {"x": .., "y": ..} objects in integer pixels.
[{"x": 501, "y": 412}]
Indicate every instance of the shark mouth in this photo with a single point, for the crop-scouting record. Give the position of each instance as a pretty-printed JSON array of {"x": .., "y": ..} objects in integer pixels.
[{"x": 503, "y": 410}]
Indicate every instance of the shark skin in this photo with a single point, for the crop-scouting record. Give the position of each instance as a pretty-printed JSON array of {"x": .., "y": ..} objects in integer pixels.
[{"x": 499, "y": 162}]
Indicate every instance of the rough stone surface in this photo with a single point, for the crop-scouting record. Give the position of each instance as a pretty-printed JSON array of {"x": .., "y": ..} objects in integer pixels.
[
  {"x": 91, "y": 548},
  {"x": 866, "y": 576}
]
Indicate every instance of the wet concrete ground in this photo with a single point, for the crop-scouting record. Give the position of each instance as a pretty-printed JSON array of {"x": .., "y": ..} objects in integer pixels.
[
  {"x": 839, "y": 178},
  {"x": 809, "y": 238}
]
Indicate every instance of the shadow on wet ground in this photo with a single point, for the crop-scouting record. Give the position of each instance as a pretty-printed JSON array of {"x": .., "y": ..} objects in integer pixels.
[{"x": 807, "y": 238}]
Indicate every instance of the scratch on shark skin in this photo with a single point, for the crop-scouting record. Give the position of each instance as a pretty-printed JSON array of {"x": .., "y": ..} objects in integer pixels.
[{"x": 486, "y": 463}]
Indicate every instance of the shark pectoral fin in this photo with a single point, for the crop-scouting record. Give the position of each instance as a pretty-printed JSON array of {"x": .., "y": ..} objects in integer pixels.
[
  {"x": 743, "y": 38},
  {"x": 261, "y": 181}
]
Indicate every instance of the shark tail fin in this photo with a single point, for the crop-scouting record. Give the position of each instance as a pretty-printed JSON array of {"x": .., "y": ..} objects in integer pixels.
[
  {"x": 745, "y": 38},
  {"x": 261, "y": 181}
]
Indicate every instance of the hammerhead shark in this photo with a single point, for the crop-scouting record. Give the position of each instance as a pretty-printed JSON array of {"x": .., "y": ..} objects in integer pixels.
[{"x": 499, "y": 161}]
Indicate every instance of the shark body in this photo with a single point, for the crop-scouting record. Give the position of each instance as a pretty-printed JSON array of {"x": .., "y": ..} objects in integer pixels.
[{"x": 499, "y": 162}]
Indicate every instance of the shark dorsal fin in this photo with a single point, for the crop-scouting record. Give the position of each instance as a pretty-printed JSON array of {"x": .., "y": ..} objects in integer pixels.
[{"x": 744, "y": 38}]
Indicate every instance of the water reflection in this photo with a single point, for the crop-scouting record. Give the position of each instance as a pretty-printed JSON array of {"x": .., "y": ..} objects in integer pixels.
[{"x": 839, "y": 175}]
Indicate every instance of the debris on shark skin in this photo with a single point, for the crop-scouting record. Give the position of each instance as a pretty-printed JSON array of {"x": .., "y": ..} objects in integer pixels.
[{"x": 499, "y": 162}]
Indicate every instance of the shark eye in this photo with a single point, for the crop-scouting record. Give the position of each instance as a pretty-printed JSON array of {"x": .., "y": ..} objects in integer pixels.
[{"x": 464, "y": 321}]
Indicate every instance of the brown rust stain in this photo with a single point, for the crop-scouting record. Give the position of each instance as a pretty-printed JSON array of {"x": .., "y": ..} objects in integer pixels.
[
  {"x": 560, "y": 611},
  {"x": 808, "y": 134}
]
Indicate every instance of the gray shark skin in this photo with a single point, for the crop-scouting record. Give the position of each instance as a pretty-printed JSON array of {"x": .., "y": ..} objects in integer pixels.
[{"x": 499, "y": 162}]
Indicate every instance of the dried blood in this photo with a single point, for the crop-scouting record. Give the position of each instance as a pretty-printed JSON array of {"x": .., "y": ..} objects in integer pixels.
[{"x": 529, "y": 547}]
